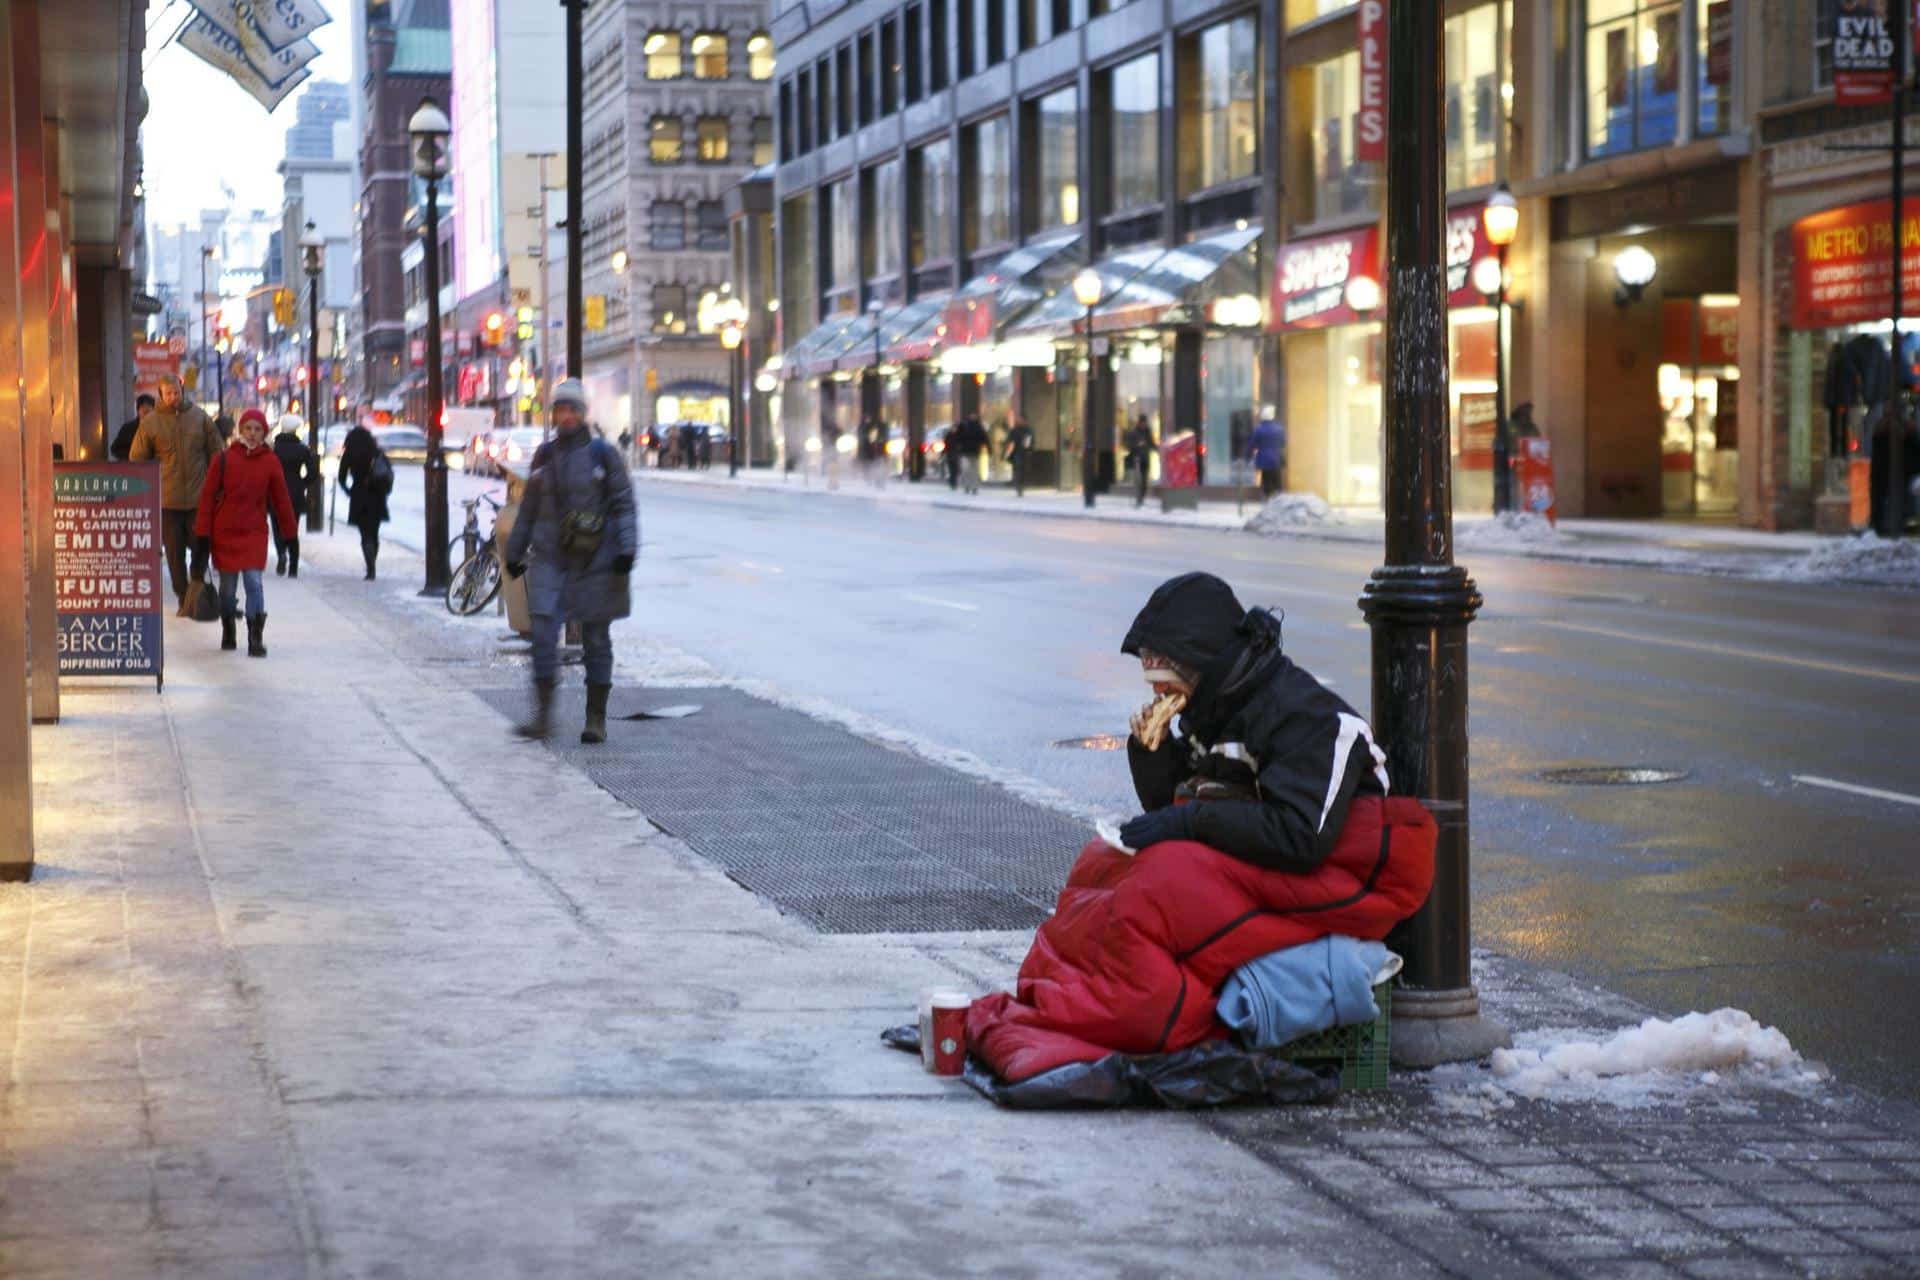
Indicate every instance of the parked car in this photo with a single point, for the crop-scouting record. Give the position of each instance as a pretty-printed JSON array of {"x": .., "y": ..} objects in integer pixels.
[
  {"x": 516, "y": 450},
  {"x": 403, "y": 443}
]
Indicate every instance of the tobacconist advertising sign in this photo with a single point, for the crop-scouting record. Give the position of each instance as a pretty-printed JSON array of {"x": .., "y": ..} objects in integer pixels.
[{"x": 106, "y": 568}]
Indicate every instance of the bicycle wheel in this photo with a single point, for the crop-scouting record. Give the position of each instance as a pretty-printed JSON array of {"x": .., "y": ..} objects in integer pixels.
[
  {"x": 474, "y": 584},
  {"x": 462, "y": 545}
]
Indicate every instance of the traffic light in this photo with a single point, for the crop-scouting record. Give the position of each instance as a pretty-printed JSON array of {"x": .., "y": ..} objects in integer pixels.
[
  {"x": 523, "y": 324},
  {"x": 596, "y": 312},
  {"x": 283, "y": 307},
  {"x": 496, "y": 327}
]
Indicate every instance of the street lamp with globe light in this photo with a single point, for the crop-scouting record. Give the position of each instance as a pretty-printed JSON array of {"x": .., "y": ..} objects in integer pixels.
[
  {"x": 313, "y": 248},
  {"x": 1087, "y": 288},
  {"x": 732, "y": 330},
  {"x": 429, "y": 128},
  {"x": 1500, "y": 219},
  {"x": 1634, "y": 268}
]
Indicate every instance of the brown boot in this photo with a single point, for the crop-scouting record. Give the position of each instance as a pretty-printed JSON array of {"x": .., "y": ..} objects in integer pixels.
[
  {"x": 596, "y": 729},
  {"x": 540, "y": 724}
]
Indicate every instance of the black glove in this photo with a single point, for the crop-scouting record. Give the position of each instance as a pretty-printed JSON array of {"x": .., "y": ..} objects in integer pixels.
[
  {"x": 202, "y": 546},
  {"x": 516, "y": 567},
  {"x": 1175, "y": 822},
  {"x": 623, "y": 563}
]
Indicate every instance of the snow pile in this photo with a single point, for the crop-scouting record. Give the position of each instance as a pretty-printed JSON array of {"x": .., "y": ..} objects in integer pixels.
[
  {"x": 1513, "y": 529},
  {"x": 1867, "y": 558},
  {"x": 1700, "y": 1048},
  {"x": 1286, "y": 512}
]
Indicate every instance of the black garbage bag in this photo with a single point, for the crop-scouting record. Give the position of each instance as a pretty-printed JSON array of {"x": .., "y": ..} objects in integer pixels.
[{"x": 1212, "y": 1073}]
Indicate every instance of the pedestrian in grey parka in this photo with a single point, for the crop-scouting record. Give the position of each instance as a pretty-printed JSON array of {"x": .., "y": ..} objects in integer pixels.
[{"x": 575, "y": 538}]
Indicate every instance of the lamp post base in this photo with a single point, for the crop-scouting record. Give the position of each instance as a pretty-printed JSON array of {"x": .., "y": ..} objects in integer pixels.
[{"x": 1432, "y": 1027}]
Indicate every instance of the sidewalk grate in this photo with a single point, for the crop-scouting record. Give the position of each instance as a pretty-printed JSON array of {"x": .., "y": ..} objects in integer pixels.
[{"x": 849, "y": 835}]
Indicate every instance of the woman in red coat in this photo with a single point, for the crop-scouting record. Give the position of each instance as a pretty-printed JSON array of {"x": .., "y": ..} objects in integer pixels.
[{"x": 244, "y": 487}]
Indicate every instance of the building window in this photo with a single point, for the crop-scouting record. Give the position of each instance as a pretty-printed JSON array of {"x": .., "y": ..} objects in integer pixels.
[
  {"x": 1133, "y": 90},
  {"x": 711, "y": 139},
  {"x": 1634, "y": 61},
  {"x": 1823, "y": 15},
  {"x": 915, "y": 68},
  {"x": 709, "y": 56},
  {"x": 713, "y": 225},
  {"x": 669, "y": 308},
  {"x": 882, "y": 183},
  {"x": 863, "y": 68},
  {"x": 1341, "y": 184},
  {"x": 785, "y": 110},
  {"x": 664, "y": 138},
  {"x": 1219, "y": 105},
  {"x": 963, "y": 41},
  {"x": 1713, "y": 76},
  {"x": 802, "y": 117},
  {"x": 889, "y": 67},
  {"x": 663, "y": 55},
  {"x": 1053, "y": 126},
  {"x": 841, "y": 210},
  {"x": 843, "y": 92},
  {"x": 937, "y": 45},
  {"x": 799, "y": 286},
  {"x": 986, "y": 189},
  {"x": 760, "y": 56},
  {"x": 762, "y": 141},
  {"x": 932, "y": 202},
  {"x": 1473, "y": 98},
  {"x": 668, "y": 225},
  {"x": 996, "y": 33}
]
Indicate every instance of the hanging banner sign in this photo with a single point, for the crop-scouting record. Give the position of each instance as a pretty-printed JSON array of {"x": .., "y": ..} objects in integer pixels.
[
  {"x": 1310, "y": 279},
  {"x": 273, "y": 23},
  {"x": 1862, "y": 53},
  {"x": 1720, "y": 43},
  {"x": 223, "y": 51},
  {"x": 1843, "y": 264},
  {"x": 1370, "y": 122},
  {"x": 106, "y": 568},
  {"x": 151, "y": 362}
]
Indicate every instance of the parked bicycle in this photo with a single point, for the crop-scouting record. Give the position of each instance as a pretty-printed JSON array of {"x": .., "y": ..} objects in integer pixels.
[{"x": 476, "y": 581}]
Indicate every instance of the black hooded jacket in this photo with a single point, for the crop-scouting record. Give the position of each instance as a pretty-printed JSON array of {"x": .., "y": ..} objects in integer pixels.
[{"x": 1255, "y": 722}]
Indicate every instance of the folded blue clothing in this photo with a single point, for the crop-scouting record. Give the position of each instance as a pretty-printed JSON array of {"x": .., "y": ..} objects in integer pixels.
[{"x": 1286, "y": 994}]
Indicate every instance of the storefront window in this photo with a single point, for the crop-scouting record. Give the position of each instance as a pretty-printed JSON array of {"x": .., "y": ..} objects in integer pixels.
[
  {"x": 1342, "y": 183},
  {"x": 1634, "y": 57},
  {"x": 1473, "y": 97},
  {"x": 883, "y": 181},
  {"x": 1227, "y": 362},
  {"x": 1138, "y": 383},
  {"x": 1219, "y": 106},
  {"x": 933, "y": 202},
  {"x": 986, "y": 192},
  {"x": 1135, "y": 92},
  {"x": 1056, "y": 134}
]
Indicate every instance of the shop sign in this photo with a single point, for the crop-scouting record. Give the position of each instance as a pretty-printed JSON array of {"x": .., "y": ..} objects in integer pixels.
[
  {"x": 1466, "y": 244},
  {"x": 1370, "y": 123},
  {"x": 1715, "y": 341},
  {"x": 1720, "y": 42},
  {"x": 1842, "y": 264},
  {"x": 1862, "y": 53},
  {"x": 106, "y": 568},
  {"x": 1475, "y": 434},
  {"x": 1310, "y": 279},
  {"x": 151, "y": 362}
]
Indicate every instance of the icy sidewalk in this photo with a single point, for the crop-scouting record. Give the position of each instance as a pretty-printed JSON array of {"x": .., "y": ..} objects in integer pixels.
[
  {"x": 322, "y": 975},
  {"x": 1677, "y": 546}
]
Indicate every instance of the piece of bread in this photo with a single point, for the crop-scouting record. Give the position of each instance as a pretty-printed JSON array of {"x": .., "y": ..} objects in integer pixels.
[{"x": 1151, "y": 722}]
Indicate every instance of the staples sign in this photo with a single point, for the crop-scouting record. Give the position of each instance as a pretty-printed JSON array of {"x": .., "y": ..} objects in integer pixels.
[
  {"x": 1370, "y": 124},
  {"x": 1310, "y": 280}
]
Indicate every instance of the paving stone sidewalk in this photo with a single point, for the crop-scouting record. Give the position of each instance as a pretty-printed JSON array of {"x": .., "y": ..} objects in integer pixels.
[{"x": 323, "y": 976}]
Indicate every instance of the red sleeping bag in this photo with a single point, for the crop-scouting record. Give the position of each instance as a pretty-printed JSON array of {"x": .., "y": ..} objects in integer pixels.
[{"x": 1137, "y": 946}]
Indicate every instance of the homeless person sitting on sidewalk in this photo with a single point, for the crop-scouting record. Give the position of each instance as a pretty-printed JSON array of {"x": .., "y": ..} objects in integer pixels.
[{"x": 1269, "y": 823}]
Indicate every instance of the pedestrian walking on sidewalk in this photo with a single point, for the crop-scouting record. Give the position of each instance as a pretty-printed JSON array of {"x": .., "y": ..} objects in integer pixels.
[
  {"x": 830, "y": 454},
  {"x": 179, "y": 434},
  {"x": 367, "y": 476},
  {"x": 1020, "y": 454},
  {"x": 296, "y": 464},
  {"x": 970, "y": 438},
  {"x": 245, "y": 488},
  {"x": 576, "y": 537},
  {"x": 1263, "y": 450},
  {"x": 130, "y": 429},
  {"x": 1140, "y": 457}
]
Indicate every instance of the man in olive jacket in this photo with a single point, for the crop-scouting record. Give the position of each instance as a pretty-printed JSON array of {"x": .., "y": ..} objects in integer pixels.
[{"x": 178, "y": 433}]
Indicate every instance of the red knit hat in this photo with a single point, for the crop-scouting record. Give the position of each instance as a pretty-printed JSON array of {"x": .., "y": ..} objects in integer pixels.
[{"x": 253, "y": 415}]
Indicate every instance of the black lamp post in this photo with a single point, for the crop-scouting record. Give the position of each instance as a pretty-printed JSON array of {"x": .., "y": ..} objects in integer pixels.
[
  {"x": 429, "y": 129},
  {"x": 1419, "y": 602},
  {"x": 313, "y": 247},
  {"x": 1500, "y": 219},
  {"x": 732, "y": 330},
  {"x": 206, "y": 256},
  {"x": 1086, "y": 291}
]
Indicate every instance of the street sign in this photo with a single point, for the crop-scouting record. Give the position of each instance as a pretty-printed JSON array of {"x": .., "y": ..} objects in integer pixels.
[{"x": 177, "y": 344}]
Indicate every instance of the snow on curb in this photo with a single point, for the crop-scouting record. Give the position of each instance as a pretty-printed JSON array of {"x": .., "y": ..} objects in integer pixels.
[
  {"x": 1523, "y": 530},
  {"x": 1291, "y": 512},
  {"x": 1868, "y": 558},
  {"x": 1652, "y": 1063}
]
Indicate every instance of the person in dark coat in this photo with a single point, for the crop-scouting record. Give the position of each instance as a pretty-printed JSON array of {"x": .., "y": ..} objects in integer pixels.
[
  {"x": 969, "y": 439},
  {"x": 575, "y": 538},
  {"x": 178, "y": 435},
  {"x": 122, "y": 446},
  {"x": 1264, "y": 448},
  {"x": 296, "y": 464},
  {"x": 1020, "y": 454},
  {"x": 1140, "y": 445},
  {"x": 1265, "y": 760},
  {"x": 366, "y": 497},
  {"x": 245, "y": 489}
]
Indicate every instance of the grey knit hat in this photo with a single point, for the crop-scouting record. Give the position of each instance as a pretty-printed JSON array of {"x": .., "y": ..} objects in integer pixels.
[{"x": 568, "y": 391}]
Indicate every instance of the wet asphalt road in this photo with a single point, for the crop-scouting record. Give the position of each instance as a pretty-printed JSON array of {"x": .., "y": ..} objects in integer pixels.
[{"x": 1737, "y": 886}]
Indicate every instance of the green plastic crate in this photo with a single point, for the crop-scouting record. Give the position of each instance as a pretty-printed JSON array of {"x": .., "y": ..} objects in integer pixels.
[{"x": 1361, "y": 1049}]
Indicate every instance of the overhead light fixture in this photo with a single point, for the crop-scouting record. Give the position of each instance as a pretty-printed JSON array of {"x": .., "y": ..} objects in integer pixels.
[
  {"x": 1363, "y": 296},
  {"x": 1501, "y": 217},
  {"x": 1486, "y": 277},
  {"x": 1634, "y": 267}
]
